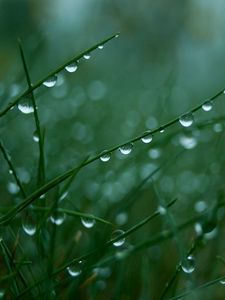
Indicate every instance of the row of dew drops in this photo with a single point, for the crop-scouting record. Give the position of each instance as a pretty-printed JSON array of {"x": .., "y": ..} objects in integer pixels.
[
  {"x": 185, "y": 120},
  {"x": 26, "y": 106}
]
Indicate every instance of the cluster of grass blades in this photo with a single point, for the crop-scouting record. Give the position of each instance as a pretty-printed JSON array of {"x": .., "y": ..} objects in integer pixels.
[{"x": 35, "y": 263}]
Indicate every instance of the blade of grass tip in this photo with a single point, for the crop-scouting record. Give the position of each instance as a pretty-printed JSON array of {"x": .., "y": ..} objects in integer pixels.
[
  {"x": 41, "y": 166},
  {"x": 55, "y": 71},
  {"x": 93, "y": 252},
  {"x": 205, "y": 285},
  {"x": 11, "y": 167}
]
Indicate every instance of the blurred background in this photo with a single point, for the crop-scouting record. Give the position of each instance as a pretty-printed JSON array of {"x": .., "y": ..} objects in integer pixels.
[{"x": 168, "y": 58}]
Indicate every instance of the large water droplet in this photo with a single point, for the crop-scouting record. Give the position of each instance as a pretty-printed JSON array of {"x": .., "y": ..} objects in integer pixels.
[
  {"x": 26, "y": 107},
  {"x": 29, "y": 227},
  {"x": 126, "y": 149},
  {"x": 188, "y": 265},
  {"x": 105, "y": 156},
  {"x": 71, "y": 67},
  {"x": 115, "y": 235},
  {"x": 51, "y": 81},
  {"x": 87, "y": 222},
  {"x": 186, "y": 120},
  {"x": 207, "y": 106},
  {"x": 57, "y": 218},
  {"x": 147, "y": 138},
  {"x": 36, "y": 136},
  {"x": 87, "y": 56},
  {"x": 75, "y": 269}
]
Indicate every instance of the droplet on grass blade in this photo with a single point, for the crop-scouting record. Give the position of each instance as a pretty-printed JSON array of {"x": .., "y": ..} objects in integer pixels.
[
  {"x": 115, "y": 235},
  {"x": 87, "y": 222},
  {"x": 87, "y": 56},
  {"x": 28, "y": 226},
  {"x": 75, "y": 269},
  {"x": 186, "y": 120},
  {"x": 207, "y": 106},
  {"x": 188, "y": 265},
  {"x": 71, "y": 68},
  {"x": 126, "y": 149},
  {"x": 147, "y": 138},
  {"x": 100, "y": 47},
  {"x": 105, "y": 156},
  {"x": 58, "y": 218},
  {"x": 36, "y": 136},
  {"x": 51, "y": 81}
]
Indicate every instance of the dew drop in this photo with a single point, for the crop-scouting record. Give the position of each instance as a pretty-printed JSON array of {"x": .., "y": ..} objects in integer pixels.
[
  {"x": 100, "y": 47},
  {"x": 87, "y": 56},
  {"x": 2, "y": 293},
  {"x": 188, "y": 142},
  {"x": 58, "y": 218},
  {"x": 105, "y": 156},
  {"x": 117, "y": 35},
  {"x": 186, "y": 120},
  {"x": 26, "y": 107},
  {"x": 71, "y": 68},
  {"x": 75, "y": 269},
  {"x": 147, "y": 138},
  {"x": 162, "y": 210},
  {"x": 36, "y": 136},
  {"x": 126, "y": 149},
  {"x": 115, "y": 235},
  {"x": 29, "y": 227},
  {"x": 207, "y": 106},
  {"x": 188, "y": 265},
  {"x": 13, "y": 188},
  {"x": 222, "y": 281},
  {"x": 51, "y": 81},
  {"x": 10, "y": 171},
  {"x": 88, "y": 222}
]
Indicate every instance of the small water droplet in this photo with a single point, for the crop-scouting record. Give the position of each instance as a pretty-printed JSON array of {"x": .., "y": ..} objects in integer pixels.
[
  {"x": 29, "y": 226},
  {"x": 222, "y": 281},
  {"x": 218, "y": 127},
  {"x": 10, "y": 171},
  {"x": 75, "y": 269},
  {"x": 58, "y": 218},
  {"x": 126, "y": 149},
  {"x": 115, "y": 235},
  {"x": 2, "y": 293},
  {"x": 71, "y": 67},
  {"x": 105, "y": 156},
  {"x": 186, "y": 120},
  {"x": 12, "y": 188},
  {"x": 147, "y": 138},
  {"x": 117, "y": 35},
  {"x": 87, "y": 56},
  {"x": 188, "y": 141},
  {"x": 188, "y": 265},
  {"x": 162, "y": 130},
  {"x": 100, "y": 47},
  {"x": 51, "y": 81},
  {"x": 87, "y": 222},
  {"x": 63, "y": 196},
  {"x": 207, "y": 106},
  {"x": 162, "y": 210},
  {"x": 26, "y": 107},
  {"x": 36, "y": 136}
]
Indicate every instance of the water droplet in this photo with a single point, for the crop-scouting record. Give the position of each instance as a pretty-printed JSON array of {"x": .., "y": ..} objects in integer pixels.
[
  {"x": 29, "y": 226},
  {"x": 121, "y": 218},
  {"x": 63, "y": 196},
  {"x": 162, "y": 210},
  {"x": 188, "y": 142},
  {"x": 186, "y": 120},
  {"x": 105, "y": 156},
  {"x": 36, "y": 136},
  {"x": 126, "y": 149},
  {"x": 222, "y": 281},
  {"x": 51, "y": 81},
  {"x": 200, "y": 206},
  {"x": 117, "y": 35},
  {"x": 75, "y": 269},
  {"x": 10, "y": 171},
  {"x": 100, "y": 47},
  {"x": 115, "y": 235},
  {"x": 207, "y": 106},
  {"x": 58, "y": 218},
  {"x": 147, "y": 138},
  {"x": 162, "y": 130},
  {"x": 188, "y": 265},
  {"x": 218, "y": 127},
  {"x": 87, "y": 222},
  {"x": 87, "y": 56},
  {"x": 26, "y": 107},
  {"x": 71, "y": 67}
]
